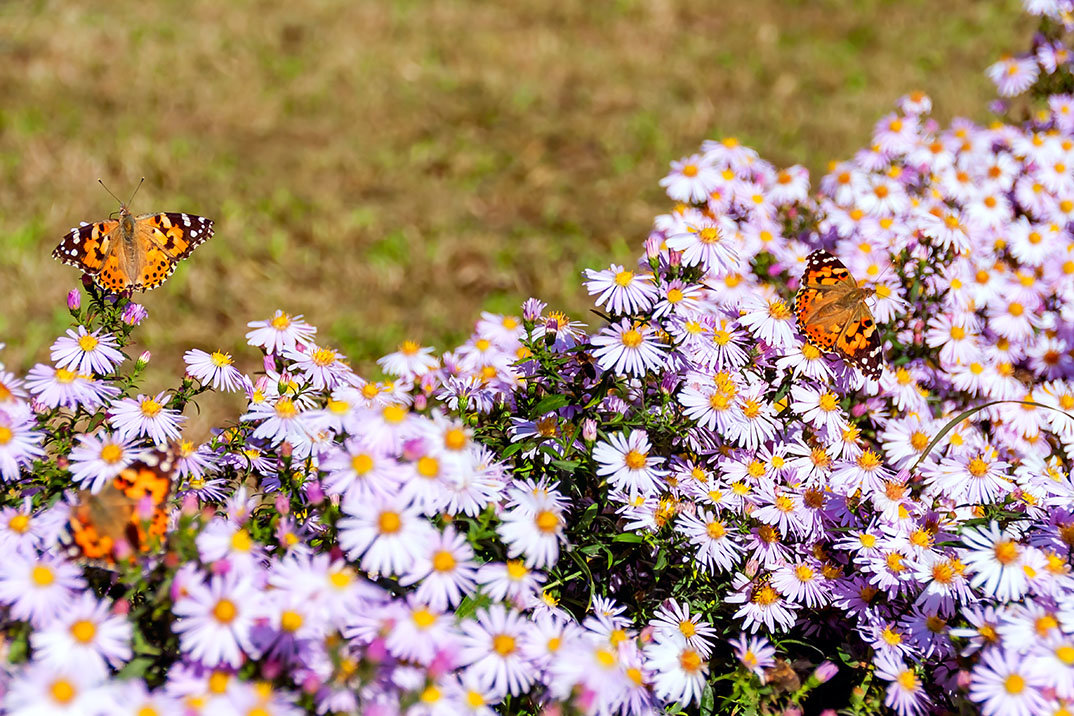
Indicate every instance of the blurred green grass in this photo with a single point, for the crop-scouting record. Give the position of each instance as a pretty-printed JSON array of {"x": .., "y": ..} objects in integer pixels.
[{"x": 390, "y": 169}]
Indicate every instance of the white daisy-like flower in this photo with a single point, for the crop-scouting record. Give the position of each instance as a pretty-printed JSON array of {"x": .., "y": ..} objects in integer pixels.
[
  {"x": 629, "y": 349},
  {"x": 146, "y": 416},
  {"x": 215, "y": 369},
  {"x": 625, "y": 462},
  {"x": 214, "y": 619},
  {"x": 625, "y": 292},
  {"x": 85, "y": 637},
  {"x": 83, "y": 352}
]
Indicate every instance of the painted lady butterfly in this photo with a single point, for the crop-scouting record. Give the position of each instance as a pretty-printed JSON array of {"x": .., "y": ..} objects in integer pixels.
[
  {"x": 133, "y": 252},
  {"x": 831, "y": 311},
  {"x": 100, "y": 522}
]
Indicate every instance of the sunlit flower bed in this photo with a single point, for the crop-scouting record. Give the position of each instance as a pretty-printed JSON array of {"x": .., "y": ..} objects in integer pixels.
[{"x": 685, "y": 506}]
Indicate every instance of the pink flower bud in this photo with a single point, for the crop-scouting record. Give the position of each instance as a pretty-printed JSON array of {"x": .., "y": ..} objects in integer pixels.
[
  {"x": 314, "y": 493},
  {"x": 825, "y": 671},
  {"x": 121, "y": 608},
  {"x": 143, "y": 360},
  {"x": 589, "y": 430},
  {"x": 74, "y": 299},
  {"x": 652, "y": 246},
  {"x": 674, "y": 259},
  {"x": 190, "y": 505},
  {"x": 283, "y": 504},
  {"x": 421, "y": 402}
]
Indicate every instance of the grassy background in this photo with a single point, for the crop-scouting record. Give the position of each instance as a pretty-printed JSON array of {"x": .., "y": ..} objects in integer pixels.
[{"x": 390, "y": 169}]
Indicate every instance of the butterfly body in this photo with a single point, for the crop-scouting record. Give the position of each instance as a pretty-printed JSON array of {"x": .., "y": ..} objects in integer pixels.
[
  {"x": 832, "y": 311},
  {"x": 133, "y": 252},
  {"x": 116, "y": 515}
]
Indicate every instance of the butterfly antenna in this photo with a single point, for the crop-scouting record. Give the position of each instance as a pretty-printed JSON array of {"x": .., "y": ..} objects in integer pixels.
[
  {"x": 101, "y": 182},
  {"x": 133, "y": 193}
]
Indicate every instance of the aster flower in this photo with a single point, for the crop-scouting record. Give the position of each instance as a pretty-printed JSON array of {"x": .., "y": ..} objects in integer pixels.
[
  {"x": 625, "y": 462},
  {"x": 20, "y": 444},
  {"x": 1013, "y": 76},
  {"x": 323, "y": 368},
  {"x": 59, "y": 387},
  {"x": 624, "y": 291},
  {"x": 280, "y": 333},
  {"x": 705, "y": 245},
  {"x": 99, "y": 457},
  {"x": 533, "y": 527},
  {"x": 215, "y": 618},
  {"x": 491, "y": 649},
  {"x": 691, "y": 180},
  {"x": 42, "y": 689},
  {"x": 679, "y": 671},
  {"x": 83, "y": 352},
  {"x": 213, "y": 369},
  {"x": 629, "y": 349},
  {"x": 673, "y": 622},
  {"x": 387, "y": 533},
  {"x": 445, "y": 569},
  {"x": 755, "y": 653},
  {"x": 146, "y": 416},
  {"x": 86, "y": 637},
  {"x": 995, "y": 558},
  {"x": 37, "y": 588},
  {"x": 409, "y": 361},
  {"x": 1004, "y": 684}
]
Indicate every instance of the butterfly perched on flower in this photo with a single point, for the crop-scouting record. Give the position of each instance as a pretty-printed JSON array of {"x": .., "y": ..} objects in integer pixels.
[
  {"x": 133, "y": 252},
  {"x": 831, "y": 310},
  {"x": 131, "y": 510}
]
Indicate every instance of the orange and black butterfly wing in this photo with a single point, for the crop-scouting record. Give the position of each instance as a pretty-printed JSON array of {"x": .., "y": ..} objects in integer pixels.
[
  {"x": 88, "y": 246},
  {"x": 100, "y": 522},
  {"x": 177, "y": 234},
  {"x": 831, "y": 311},
  {"x": 860, "y": 345},
  {"x": 820, "y": 304}
]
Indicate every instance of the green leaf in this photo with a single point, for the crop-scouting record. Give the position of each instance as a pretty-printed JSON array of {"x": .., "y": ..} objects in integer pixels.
[{"x": 550, "y": 403}]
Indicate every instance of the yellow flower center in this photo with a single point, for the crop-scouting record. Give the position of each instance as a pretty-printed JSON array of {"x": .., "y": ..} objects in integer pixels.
[
  {"x": 547, "y": 521},
  {"x": 62, "y": 691},
  {"x": 409, "y": 348},
  {"x": 362, "y": 464},
  {"x": 631, "y": 338},
  {"x": 151, "y": 408},
  {"x": 290, "y": 621},
  {"x": 624, "y": 278},
  {"x": 225, "y": 611},
  {"x": 715, "y": 530},
  {"x": 828, "y": 402},
  {"x": 241, "y": 542},
  {"x": 455, "y": 439},
  {"x": 635, "y": 460},
  {"x": 84, "y": 630},
  {"x": 977, "y": 467},
  {"x": 389, "y": 523},
  {"x": 1005, "y": 551},
  {"x": 281, "y": 322},
  {"x": 690, "y": 661},
  {"x": 87, "y": 343},
  {"x": 19, "y": 523},
  {"x": 394, "y": 413},
  {"x": 285, "y": 408},
  {"x": 42, "y": 576},
  {"x": 443, "y": 561},
  {"x": 503, "y": 644},
  {"x": 1014, "y": 684},
  {"x": 429, "y": 467},
  {"x": 220, "y": 360}
]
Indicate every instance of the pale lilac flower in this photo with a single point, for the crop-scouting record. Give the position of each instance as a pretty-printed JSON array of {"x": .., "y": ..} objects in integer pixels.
[
  {"x": 146, "y": 416},
  {"x": 215, "y": 369},
  {"x": 99, "y": 457},
  {"x": 279, "y": 333},
  {"x": 83, "y": 352}
]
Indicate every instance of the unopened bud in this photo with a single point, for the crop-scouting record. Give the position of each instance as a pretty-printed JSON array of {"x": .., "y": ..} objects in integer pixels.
[
  {"x": 283, "y": 504},
  {"x": 652, "y": 246},
  {"x": 421, "y": 402},
  {"x": 143, "y": 360},
  {"x": 314, "y": 493},
  {"x": 589, "y": 430},
  {"x": 825, "y": 671},
  {"x": 74, "y": 299}
]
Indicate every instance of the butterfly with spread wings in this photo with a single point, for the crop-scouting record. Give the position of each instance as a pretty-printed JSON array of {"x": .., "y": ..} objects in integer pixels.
[
  {"x": 831, "y": 310},
  {"x": 131, "y": 252}
]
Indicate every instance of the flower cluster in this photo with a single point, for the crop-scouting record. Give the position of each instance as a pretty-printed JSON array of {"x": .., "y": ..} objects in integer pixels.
[{"x": 688, "y": 506}]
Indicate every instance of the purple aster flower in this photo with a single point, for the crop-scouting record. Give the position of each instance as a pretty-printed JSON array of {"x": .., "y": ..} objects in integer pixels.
[
  {"x": 20, "y": 444},
  {"x": 99, "y": 457},
  {"x": 213, "y": 369},
  {"x": 144, "y": 415},
  {"x": 83, "y": 352}
]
